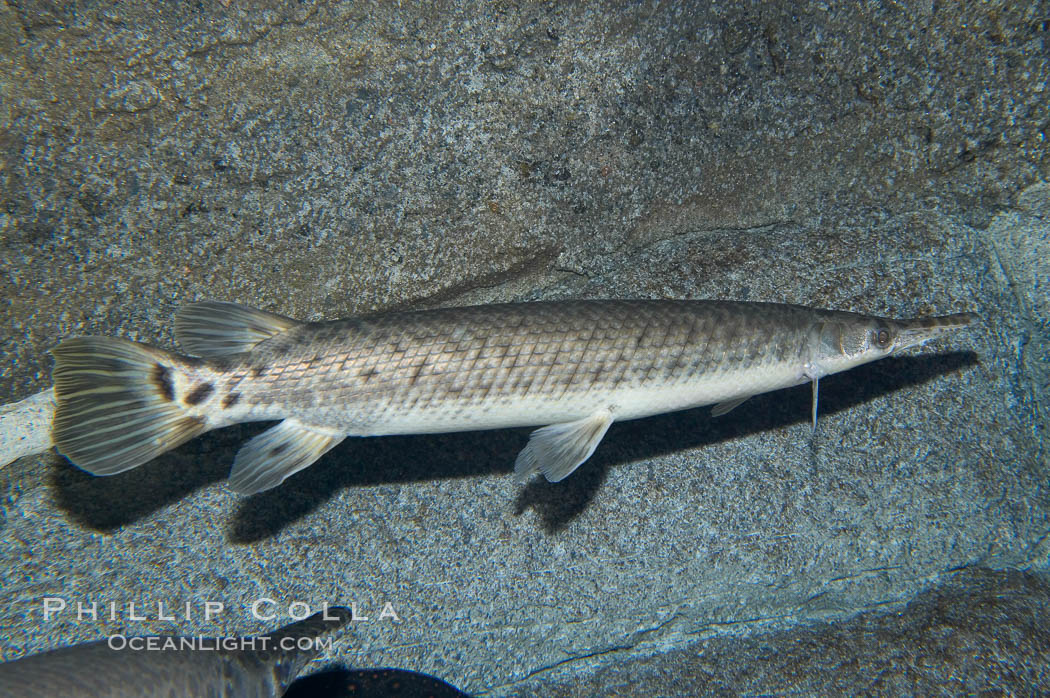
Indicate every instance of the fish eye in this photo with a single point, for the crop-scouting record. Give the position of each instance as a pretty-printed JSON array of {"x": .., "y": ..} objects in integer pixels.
[{"x": 882, "y": 338}]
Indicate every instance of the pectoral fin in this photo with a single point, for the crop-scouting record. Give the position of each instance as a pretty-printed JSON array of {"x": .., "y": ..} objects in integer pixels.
[
  {"x": 728, "y": 406},
  {"x": 274, "y": 455},
  {"x": 559, "y": 449}
]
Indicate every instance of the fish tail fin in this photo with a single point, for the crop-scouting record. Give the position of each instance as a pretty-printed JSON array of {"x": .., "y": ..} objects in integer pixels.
[
  {"x": 299, "y": 643},
  {"x": 115, "y": 404}
]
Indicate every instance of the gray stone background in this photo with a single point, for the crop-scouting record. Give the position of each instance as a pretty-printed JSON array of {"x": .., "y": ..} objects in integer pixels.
[{"x": 321, "y": 159}]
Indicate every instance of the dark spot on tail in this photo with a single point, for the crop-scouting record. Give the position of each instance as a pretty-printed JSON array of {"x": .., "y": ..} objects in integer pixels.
[
  {"x": 162, "y": 381},
  {"x": 199, "y": 394},
  {"x": 278, "y": 449},
  {"x": 230, "y": 400}
]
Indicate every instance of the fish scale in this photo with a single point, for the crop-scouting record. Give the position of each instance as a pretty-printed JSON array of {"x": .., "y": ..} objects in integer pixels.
[
  {"x": 575, "y": 365},
  {"x": 532, "y": 354}
]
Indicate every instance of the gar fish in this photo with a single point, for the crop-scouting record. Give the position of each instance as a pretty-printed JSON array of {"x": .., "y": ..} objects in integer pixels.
[
  {"x": 572, "y": 366},
  {"x": 260, "y": 666}
]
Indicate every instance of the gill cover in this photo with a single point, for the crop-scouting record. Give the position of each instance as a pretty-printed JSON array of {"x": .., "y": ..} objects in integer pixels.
[{"x": 842, "y": 343}]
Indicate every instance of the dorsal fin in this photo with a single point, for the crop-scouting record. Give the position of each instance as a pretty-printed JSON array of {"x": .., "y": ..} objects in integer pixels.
[{"x": 215, "y": 328}]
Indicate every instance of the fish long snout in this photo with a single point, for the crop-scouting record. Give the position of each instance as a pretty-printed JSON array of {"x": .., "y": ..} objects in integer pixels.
[{"x": 917, "y": 332}]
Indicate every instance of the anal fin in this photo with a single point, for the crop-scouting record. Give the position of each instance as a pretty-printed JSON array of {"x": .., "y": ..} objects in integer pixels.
[
  {"x": 277, "y": 453},
  {"x": 557, "y": 450}
]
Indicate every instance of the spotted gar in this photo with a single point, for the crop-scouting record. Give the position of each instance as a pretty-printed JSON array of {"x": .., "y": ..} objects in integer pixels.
[{"x": 572, "y": 367}]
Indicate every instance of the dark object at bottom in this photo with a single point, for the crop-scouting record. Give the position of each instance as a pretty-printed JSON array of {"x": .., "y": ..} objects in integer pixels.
[{"x": 372, "y": 683}]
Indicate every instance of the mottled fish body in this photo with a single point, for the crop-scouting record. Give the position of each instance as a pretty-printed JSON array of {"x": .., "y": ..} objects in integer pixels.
[
  {"x": 176, "y": 667},
  {"x": 575, "y": 366}
]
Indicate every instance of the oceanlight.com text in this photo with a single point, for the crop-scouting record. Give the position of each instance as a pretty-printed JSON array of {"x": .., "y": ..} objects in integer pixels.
[{"x": 262, "y": 643}]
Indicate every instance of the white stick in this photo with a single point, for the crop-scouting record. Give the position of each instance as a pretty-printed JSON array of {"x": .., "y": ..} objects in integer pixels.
[{"x": 25, "y": 427}]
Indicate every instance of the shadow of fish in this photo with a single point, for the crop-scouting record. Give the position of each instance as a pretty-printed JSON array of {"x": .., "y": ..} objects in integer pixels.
[
  {"x": 572, "y": 367},
  {"x": 265, "y": 665},
  {"x": 372, "y": 683}
]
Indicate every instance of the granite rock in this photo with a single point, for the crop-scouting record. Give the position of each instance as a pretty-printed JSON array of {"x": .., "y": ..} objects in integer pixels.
[{"x": 978, "y": 632}]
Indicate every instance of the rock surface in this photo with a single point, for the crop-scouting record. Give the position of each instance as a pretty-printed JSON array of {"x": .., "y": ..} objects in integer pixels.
[
  {"x": 981, "y": 632},
  {"x": 321, "y": 159}
]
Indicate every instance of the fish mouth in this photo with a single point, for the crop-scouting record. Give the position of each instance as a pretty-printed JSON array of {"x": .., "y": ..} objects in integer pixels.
[{"x": 917, "y": 332}]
